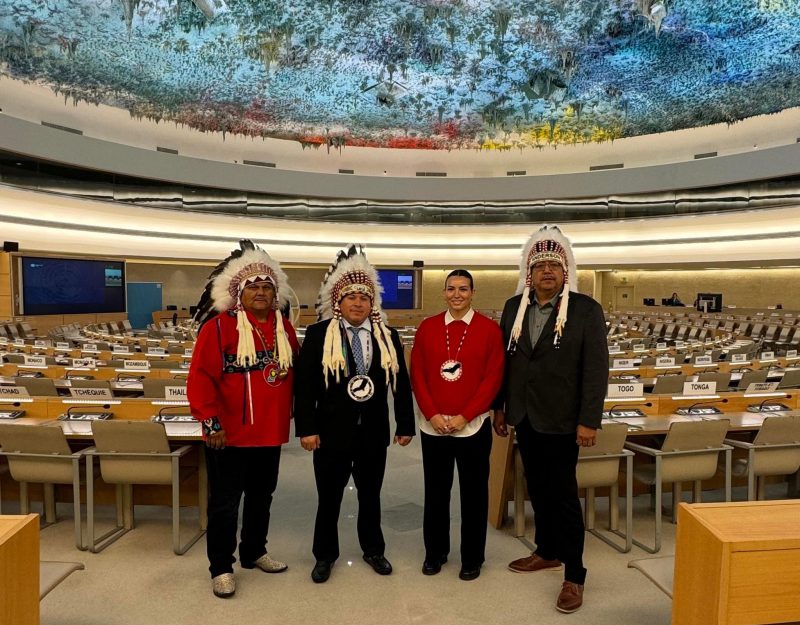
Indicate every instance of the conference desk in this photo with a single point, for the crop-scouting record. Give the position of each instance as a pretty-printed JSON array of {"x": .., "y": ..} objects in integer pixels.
[
  {"x": 502, "y": 466},
  {"x": 60, "y": 372},
  {"x": 19, "y": 569}
]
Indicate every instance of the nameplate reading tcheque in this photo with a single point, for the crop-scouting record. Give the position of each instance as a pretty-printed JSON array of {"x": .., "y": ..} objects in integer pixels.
[
  {"x": 91, "y": 393},
  {"x": 175, "y": 392},
  {"x": 699, "y": 388}
]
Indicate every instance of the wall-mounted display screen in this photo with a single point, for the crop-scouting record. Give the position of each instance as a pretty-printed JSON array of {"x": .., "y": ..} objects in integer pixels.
[
  {"x": 63, "y": 286},
  {"x": 400, "y": 288}
]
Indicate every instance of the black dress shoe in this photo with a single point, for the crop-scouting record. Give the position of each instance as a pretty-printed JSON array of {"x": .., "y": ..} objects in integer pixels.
[
  {"x": 468, "y": 573},
  {"x": 321, "y": 571},
  {"x": 379, "y": 564},
  {"x": 433, "y": 566}
]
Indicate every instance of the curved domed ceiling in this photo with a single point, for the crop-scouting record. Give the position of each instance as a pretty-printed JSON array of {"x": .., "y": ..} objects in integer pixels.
[{"x": 435, "y": 74}]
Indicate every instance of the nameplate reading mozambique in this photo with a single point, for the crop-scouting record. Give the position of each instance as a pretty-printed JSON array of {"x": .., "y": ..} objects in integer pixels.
[
  {"x": 767, "y": 355},
  {"x": 623, "y": 363},
  {"x": 739, "y": 358},
  {"x": 35, "y": 361},
  {"x": 13, "y": 391},
  {"x": 704, "y": 360},
  {"x": 135, "y": 364},
  {"x": 665, "y": 361},
  {"x": 175, "y": 392},
  {"x": 761, "y": 387},
  {"x": 699, "y": 388},
  {"x": 91, "y": 393},
  {"x": 616, "y": 391}
]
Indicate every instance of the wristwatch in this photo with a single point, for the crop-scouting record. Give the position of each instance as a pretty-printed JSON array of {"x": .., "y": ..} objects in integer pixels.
[{"x": 211, "y": 426}]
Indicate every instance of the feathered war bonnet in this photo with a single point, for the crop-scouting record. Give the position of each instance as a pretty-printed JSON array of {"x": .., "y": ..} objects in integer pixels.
[
  {"x": 546, "y": 244},
  {"x": 244, "y": 266},
  {"x": 351, "y": 272}
]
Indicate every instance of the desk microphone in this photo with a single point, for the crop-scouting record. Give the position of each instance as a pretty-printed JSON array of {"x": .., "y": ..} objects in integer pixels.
[
  {"x": 723, "y": 400},
  {"x": 770, "y": 400},
  {"x": 647, "y": 405},
  {"x": 71, "y": 408},
  {"x": 129, "y": 376},
  {"x": 166, "y": 408}
]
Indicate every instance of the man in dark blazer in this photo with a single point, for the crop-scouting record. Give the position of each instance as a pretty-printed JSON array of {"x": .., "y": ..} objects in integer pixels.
[
  {"x": 555, "y": 383},
  {"x": 347, "y": 364}
]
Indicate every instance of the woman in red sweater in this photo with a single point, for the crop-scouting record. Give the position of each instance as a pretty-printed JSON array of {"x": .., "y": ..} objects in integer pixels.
[{"x": 456, "y": 371}]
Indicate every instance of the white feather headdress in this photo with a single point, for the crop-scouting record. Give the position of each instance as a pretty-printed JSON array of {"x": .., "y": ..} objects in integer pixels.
[
  {"x": 547, "y": 243},
  {"x": 351, "y": 272}
]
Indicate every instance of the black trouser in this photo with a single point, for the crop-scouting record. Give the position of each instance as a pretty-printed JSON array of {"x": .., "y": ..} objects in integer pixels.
[
  {"x": 550, "y": 461},
  {"x": 332, "y": 470},
  {"x": 471, "y": 455},
  {"x": 233, "y": 471}
]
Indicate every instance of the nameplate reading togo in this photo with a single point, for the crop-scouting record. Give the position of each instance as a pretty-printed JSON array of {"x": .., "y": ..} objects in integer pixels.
[
  {"x": 135, "y": 364},
  {"x": 175, "y": 392},
  {"x": 91, "y": 393},
  {"x": 623, "y": 363},
  {"x": 792, "y": 353},
  {"x": 703, "y": 360},
  {"x": 767, "y": 355},
  {"x": 615, "y": 391},
  {"x": 665, "y": 361},
  {"x": 761, "y": 387},
  {"x": 739, "y": 358},
  {"x": 13, "y": 391},
  {"x": 639, "y": 347},
  {"x": 699, "y": 388},
  {"x": 35, "y": 361},
  {"x": 64, "y": 346},
  {"x": 84, "y": 363}
]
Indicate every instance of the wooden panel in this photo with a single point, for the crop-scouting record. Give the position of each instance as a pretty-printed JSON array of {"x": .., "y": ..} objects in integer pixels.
[
  {"x": 764, "y": 586},
  {"x": 19, "y": 569}
]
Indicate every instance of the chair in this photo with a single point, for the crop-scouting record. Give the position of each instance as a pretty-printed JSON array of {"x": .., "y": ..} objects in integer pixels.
[
  {"x": 41, "y": 454},
  {"x": 723, "y": 380},
  {"x": 759, "y": 376},
  {"x": 89, "y": 384},
  {"x": 689, "y": 453},
  {"x": 598, "y": 466},
  {"x": 38, "y": 387},
  {"x": 138, "y": 452},
  {"x": 659, "y": 570},
  {"x": 790, "y": 379},
  {"x": 51, "y": 574},
  {"x": 775, "y": 450},
  {"x": 154, "y": 388},
  {"x": 669, "y": 384}
]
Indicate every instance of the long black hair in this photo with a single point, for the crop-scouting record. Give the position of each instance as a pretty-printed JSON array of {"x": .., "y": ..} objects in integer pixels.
[{"x": 462, "y": 273}]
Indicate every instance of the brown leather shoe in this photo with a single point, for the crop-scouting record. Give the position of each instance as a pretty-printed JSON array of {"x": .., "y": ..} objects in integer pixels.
[
  {"x": 534, "y": 563},
  {"x": 570, "y": 598}
]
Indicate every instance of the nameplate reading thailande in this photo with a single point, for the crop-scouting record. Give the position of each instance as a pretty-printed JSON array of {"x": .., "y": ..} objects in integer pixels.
[
  {"x": 175, "y": 392},
  {"x": 13, "y": 391},
  {"x": 616, "y": 391},
  {"x": 35, "y": 361},
  {"x": 135, "y": 364},
  {"x": 623, "y": 363},
  {"x": 699, "y": 388},
  {"x": 91, "y": 393}
]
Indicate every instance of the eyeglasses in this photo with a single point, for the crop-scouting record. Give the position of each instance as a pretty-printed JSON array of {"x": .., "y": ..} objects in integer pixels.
[{"x": 547, "y": 264}]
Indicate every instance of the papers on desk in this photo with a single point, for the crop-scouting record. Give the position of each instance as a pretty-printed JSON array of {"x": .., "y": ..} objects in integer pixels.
[
  {"x": 174, "y": 418},
  {"x": 85, "y": 416},
  {"x": 183, "y": 429},
  {"x": 11, "y": 414},
  {"x": 132, "y": 384},
  {"x": 76, "y": 427}
]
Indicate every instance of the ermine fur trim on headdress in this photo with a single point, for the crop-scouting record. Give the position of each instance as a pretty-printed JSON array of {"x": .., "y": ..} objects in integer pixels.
[
  {"x": 546, "y": 244},
  {"x": 351, "y": 272},
  {"x": 244, "y": 266}
]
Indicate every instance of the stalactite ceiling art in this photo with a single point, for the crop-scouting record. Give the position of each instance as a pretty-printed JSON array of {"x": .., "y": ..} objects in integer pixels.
[{"x": 430, "y": 74}]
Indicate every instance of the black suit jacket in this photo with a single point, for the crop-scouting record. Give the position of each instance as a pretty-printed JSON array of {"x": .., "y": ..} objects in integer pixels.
[
  {"x": 330, "y": 413},
  {"x": 557, "y": 388}
]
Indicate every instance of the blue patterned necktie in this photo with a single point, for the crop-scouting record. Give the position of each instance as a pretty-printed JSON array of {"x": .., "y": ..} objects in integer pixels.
[{"x": 358, "y": 351}]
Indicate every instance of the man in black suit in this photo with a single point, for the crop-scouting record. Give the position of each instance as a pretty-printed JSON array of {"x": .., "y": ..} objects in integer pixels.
[
  {"x": 555, "y": 382},
  {"x": 347, "y": 364}
]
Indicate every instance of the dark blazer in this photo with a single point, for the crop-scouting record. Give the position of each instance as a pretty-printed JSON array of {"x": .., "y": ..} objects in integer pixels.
[
  {"x": 557, "y": 388},
  {"x": 331, "y": 413}
]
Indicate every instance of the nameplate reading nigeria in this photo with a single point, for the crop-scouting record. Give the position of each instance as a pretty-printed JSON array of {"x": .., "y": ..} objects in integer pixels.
[
  {"x": 665, "y": 361},
  {"x": 13, "y": 391},
  {"x": 135, "y": 364},
  {"x": 91, "y": 393},
  {"x": 617, "y": 391},
  {"x": 756, "y": 388},
  {"x": 699, "y": 388},
  {"x": 623, "y": 363},
  {"x": 35, "y": 361},
  {"x": 175, "y": 392}
]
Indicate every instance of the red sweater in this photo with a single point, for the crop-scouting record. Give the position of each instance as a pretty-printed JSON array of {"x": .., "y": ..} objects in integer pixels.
[
  {"x": 217, "y": 387},
  {"x": 482, "y": 355}
]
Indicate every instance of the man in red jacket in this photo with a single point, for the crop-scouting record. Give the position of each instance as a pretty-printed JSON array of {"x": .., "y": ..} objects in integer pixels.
[
  {"x": 240, "y": 389},
  {"x": 456, "y": 371}
]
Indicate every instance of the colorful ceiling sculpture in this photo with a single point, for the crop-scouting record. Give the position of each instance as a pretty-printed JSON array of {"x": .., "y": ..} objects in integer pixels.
[{"x": 433, "y": 74}]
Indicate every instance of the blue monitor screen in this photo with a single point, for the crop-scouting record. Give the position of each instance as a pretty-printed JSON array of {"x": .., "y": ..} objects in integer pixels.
[
  {"x": 398, "y": 288},
  {"x": 62, "y": 286}
]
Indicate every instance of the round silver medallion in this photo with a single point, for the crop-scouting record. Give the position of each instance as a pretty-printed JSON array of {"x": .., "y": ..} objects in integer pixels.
[
  {"x": 451, "y": 370},
  {"x": 360, "y": 388}
]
